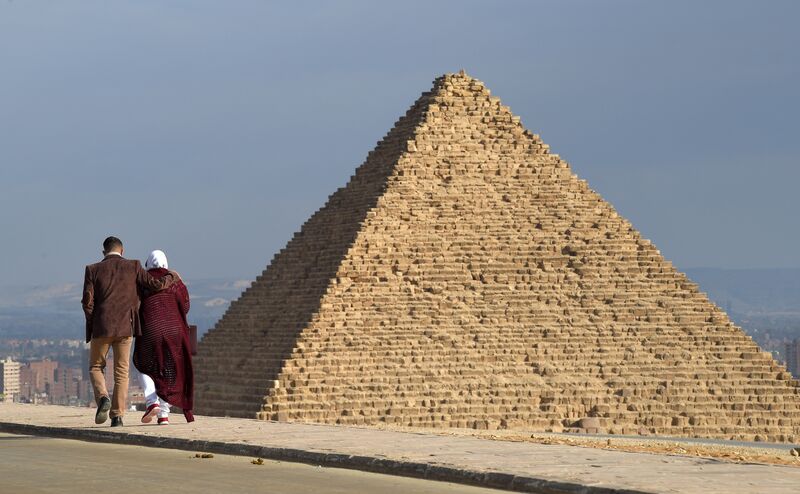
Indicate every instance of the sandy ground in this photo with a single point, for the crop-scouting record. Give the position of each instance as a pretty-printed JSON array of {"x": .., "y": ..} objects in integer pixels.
[{"x": 734, "y": 452}]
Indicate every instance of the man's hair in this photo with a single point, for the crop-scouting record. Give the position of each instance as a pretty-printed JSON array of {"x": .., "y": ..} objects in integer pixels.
[{"x": 112, "y": 243}]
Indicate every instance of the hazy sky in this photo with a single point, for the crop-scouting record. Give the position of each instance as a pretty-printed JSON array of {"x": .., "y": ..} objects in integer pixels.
[{"x": 212, "y": 130}]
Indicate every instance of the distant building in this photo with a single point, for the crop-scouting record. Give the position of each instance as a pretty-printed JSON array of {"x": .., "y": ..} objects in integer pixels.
[
  {"x": 85, "y": 359},
  {"x": 57, "y": 382},
  {"x": 9, "y": 383},
  {"x": 43, "y": 374},
  {"x": 27, "y": 385},
  {"x": 66, "y": 388},
  {"x": 793, "y": 357}
]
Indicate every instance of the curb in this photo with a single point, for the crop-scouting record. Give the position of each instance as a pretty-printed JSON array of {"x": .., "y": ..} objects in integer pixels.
[{"x": 495, "y": 480}]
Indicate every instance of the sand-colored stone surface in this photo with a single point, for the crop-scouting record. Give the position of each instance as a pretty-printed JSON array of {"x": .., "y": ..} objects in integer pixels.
[{"x": 466, "y": 278}]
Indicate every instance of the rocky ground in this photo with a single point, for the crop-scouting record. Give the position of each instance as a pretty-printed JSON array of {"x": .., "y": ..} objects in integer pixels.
[{"x": 734, "y": 452}]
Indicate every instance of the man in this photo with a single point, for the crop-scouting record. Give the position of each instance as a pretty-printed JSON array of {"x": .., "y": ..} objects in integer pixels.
[{"x": 111, "y": 305}]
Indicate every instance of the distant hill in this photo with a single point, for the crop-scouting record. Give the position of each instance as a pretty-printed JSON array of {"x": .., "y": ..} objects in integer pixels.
[
  {"x": 54, "y": 311},
  {"x": 751, "y": 291},
  {"x": 756, "y": 299}
]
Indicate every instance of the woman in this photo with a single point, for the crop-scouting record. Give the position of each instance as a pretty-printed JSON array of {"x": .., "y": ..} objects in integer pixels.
[{"x": 162, "y": 354}]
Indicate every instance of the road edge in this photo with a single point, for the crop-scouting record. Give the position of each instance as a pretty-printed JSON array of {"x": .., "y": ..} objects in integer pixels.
[{"x": 496, "y": 480}]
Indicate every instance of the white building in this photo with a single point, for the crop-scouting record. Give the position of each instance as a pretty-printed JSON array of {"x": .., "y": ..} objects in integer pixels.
[{"x": 9, "y": 381}]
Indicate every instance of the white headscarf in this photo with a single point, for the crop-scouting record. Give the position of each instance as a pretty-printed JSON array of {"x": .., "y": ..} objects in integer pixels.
[{"x": 157, "y": 259}]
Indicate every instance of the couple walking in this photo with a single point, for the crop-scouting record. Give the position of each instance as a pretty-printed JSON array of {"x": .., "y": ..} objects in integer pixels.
[{"x": 121, "y": 300}]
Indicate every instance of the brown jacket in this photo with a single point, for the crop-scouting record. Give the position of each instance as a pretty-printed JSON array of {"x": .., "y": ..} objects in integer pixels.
[{"x": 110, "y": 296}]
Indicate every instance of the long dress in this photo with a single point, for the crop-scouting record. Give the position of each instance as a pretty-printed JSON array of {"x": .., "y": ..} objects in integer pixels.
[{"x": 163, "y": 351}]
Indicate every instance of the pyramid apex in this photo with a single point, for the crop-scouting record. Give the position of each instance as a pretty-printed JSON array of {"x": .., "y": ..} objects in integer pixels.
[
  {"x": 460, "y": 80},
  {"x": 461, "y": 75}
]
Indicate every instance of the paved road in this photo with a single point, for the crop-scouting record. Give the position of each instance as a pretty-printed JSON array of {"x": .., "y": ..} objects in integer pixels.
[
  {"x": 500, "y": 462},
  {"x": 31, "y": 464}
]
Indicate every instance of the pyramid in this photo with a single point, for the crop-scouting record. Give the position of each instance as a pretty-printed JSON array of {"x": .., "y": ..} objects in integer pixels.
[{"x": 465, "y": 277}]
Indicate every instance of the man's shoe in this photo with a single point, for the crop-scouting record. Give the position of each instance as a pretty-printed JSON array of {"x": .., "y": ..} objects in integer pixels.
[
  {"x": 116, "y": 421},
  {"x": 163, "y": 421},
  {"x": 151, "y": 412},
  {"x": 102, "y": 410}
]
